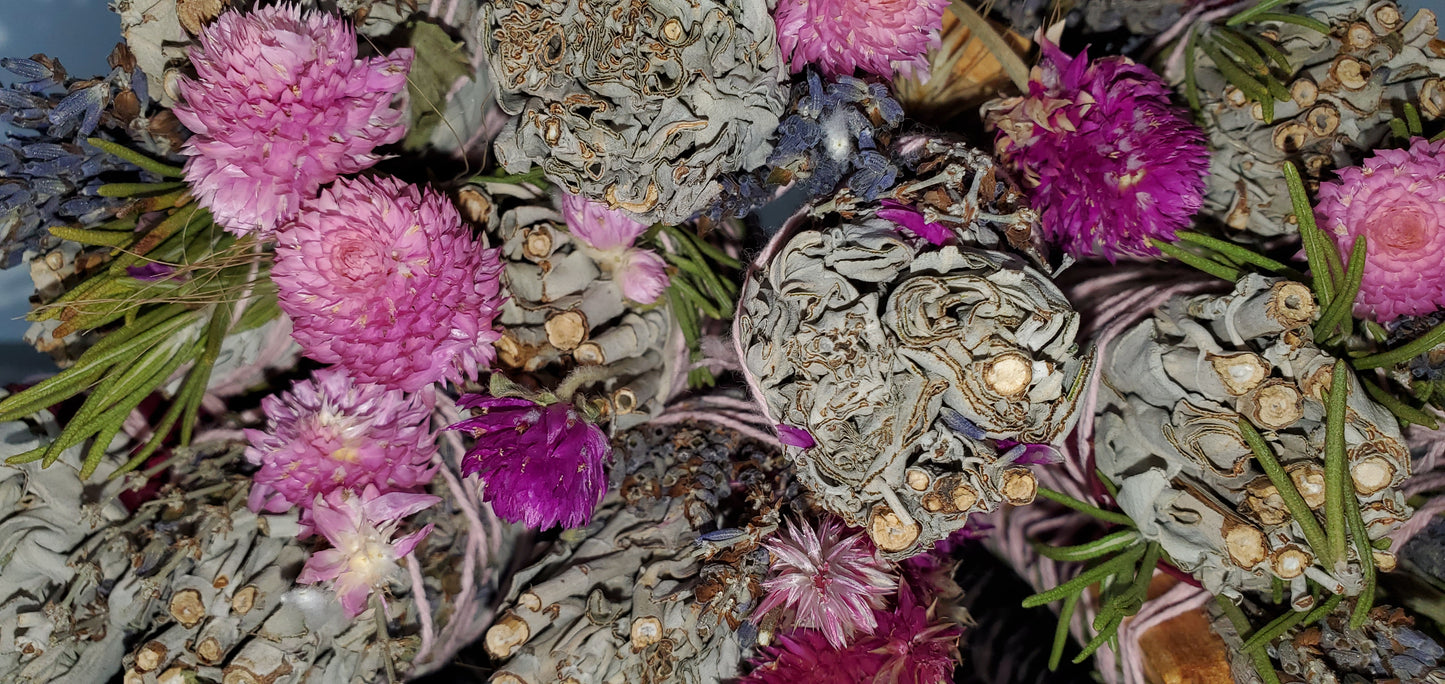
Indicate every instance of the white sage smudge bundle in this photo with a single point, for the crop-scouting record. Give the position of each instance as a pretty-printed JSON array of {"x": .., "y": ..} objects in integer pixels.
[
  {"x": 1170, "y": 433},
  {"x": 1345, "y": 89},
  {"x": 640, "y": 105},
  {"x": 652, "y": 590},
  {"x": 964, "y": 189},
  {"x": 191, "y": 585},
  {"x": 561, "y": 313},
  {"x": 904, "y": 366},
  {"x": 1386, "y": 648}
]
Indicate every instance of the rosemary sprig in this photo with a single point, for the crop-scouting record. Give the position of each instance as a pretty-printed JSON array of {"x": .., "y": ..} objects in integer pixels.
[{"x": 1338, "y": 495}]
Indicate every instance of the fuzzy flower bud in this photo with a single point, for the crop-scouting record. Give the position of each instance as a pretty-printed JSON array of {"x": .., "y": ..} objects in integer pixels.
[
  {"x": 878, "y": 36},
  {"x": 280, "y": 107},
  {"x": 331, "y": 433},
  {"x": 540, "y": 465},
  {"x": 383, "y": 279},
  {"x": 1394, "y": 200},
  {"x": 641, "y": 273}
]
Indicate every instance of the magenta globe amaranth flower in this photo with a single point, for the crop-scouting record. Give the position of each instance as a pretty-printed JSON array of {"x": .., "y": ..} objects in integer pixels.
[
  {"x": 281, "y": 106},
  {"x": 1396, "y": 200},
  {"x": 909, "y": 646},
  {"x": 364, "y": 555},
  {"x": 610, "y": 233},
  {"x": 540, "y": 465},
  {"x": 826, "y": 581},
  {"x": 332, "y": 433},
  {"x": 384, "y": 280},
  {"x": 1108, "y": 159},
  {"x": 877, "y": 36}
]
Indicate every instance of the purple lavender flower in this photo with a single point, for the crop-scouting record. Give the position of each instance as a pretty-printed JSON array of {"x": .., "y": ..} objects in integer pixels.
[{"x": 541, "y": 465}]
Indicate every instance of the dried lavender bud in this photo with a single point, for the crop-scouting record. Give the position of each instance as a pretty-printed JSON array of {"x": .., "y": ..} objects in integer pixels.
[
  {"x": 1346, "y": 88},
  {"x": 192, "y": 581},
  {"x": 641, "y": 106},
  {"x": 1196, "y": 368},
  {"x": 1387, "y": 648},
  {"x": 851, "y": 334},
  {"x": 651, "y": 591},
  {"x": 833, "y": 132},
  {"x": 52, "y": 174},
  {"x": 561, "y": 313}
]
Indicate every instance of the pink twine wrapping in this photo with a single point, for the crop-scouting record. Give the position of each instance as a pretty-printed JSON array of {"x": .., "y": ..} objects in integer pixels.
[
  {"x": 468, "y": 619},
  {"x": 1428, "y": 476}
]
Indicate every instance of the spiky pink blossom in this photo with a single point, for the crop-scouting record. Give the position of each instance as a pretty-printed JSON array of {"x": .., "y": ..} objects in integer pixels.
[
  {"x": 1108, "y": 159},
  {"x": 909, "y": 646},
  {"x": 877, "y": 36},
  {"x": 826, "y": 581},
  {"x": 331, "y": 433},
  {"x": 540, "y": 465},
  {"x": 641, "y": 273},
  {"x": 363, "y": 557},
  {"x": 381, "y": 278},
  {"x": 280, "y": 107},
  {"x": 1394, "y": 199}
]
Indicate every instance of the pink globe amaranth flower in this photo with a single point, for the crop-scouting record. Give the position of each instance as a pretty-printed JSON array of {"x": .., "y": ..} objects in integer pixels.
[
  {"x": 878, "y": 36},
  {"x": 364, "y": 555},
  {"x": 804, "y": 656},
  {"x": 641, "y": 273},
  {"x": 540, "y": 465},
  {"x": 332, "y": 433},
  {"x": 382, "y": 279},
  {"x": 1396, "y": 199},
  {"x": 826, "y": 581},
  {"x": 909, "y": 646},
  {"x": 915, "y": 647},
  {"x": 1110, "y": 161},
  {"x": 280, "y": 107}
]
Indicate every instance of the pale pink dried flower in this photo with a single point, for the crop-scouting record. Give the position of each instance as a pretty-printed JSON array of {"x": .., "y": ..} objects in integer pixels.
[
  {"x": 383, "y": 279},
  {"x": 280, "y": 107},
  {"x": 827, "y": 581},
  {"x": 1394, "y": 199},
  {"x": 364, "y": 555},
  {"x": 332, "y": 433},
  {"x": 877, "y": 36},
  {"x": 641, "y": 273}
]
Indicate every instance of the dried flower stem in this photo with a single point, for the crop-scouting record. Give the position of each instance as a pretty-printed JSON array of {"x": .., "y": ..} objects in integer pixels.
[
  {"x": 1013, "y": 66},
  {"x": 1268, "y": 633},
  {"x": 1262, "y": 664}
]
